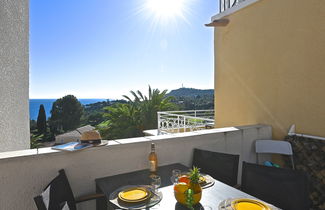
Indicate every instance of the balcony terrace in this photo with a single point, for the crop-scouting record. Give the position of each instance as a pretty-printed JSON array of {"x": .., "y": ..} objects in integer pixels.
[
  {"x": 25, "y": 173},
  {"x": 284, "y": 89}
]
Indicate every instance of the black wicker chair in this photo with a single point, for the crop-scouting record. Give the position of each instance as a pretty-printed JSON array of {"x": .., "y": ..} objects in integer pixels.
[
  {"x": 282, "y": 187},
  {"x": 58, "y": 195},
  {"x": 223, "y": 167}
]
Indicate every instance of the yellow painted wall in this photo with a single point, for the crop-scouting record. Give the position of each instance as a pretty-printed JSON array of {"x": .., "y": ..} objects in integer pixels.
[{"x": 270, "y": 67}]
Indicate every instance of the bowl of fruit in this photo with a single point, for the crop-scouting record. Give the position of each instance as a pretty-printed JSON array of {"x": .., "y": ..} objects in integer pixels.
[{"x": 187, "y": 190}]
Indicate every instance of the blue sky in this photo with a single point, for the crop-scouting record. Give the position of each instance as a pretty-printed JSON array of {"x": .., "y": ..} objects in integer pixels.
[{"x": 105, "y": 48}]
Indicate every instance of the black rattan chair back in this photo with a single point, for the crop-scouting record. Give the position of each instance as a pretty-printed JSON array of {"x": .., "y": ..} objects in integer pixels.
[
  {"x": 282, "y": 187},
  {"x": 221, "y": 166},
  {"x": 56, "y": 195}
]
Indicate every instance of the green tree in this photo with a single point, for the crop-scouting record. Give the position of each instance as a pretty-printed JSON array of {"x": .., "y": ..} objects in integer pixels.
[
  {"x": 41, "y": 120},
  {"x": 150, "y": 105},
  {"x": 123, "y": 122},
  {"x": 65, "y": 114},
  {"x": 95, "y": 118},
  {"x": 129, "y": 120},
  {"x": 33, "y": 126},
  {"x": 35, "y": 141}
]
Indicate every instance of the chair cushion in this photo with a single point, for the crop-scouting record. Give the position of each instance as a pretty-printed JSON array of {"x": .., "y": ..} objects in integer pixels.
[{"x": 65, "y": 206}]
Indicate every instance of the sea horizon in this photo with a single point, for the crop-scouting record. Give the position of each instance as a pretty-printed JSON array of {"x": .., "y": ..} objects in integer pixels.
[
  {"x": 77, "y": 98},
  {"x": 34, "y": 104}
]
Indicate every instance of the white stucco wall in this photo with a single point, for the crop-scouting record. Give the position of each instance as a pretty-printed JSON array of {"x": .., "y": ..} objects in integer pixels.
[
  {"x": 24, "y": 174},
  {"x": 14, "y": 65}
]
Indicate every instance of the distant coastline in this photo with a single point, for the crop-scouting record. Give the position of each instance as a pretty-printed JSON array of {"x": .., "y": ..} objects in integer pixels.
[{"x": 35, "y": 103}]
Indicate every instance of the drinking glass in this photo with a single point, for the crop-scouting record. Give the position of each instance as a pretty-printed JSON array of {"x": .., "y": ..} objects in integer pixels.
[
  {"x": 155, "y": 182},
  {"x": 175, "y": 174}
]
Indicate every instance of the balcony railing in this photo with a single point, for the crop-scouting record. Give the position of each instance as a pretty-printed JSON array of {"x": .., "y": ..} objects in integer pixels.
[
  {"x": 24, "y": 174},
  {"x": 226, "y": 4},
  {"x": 183, "y": 121}
]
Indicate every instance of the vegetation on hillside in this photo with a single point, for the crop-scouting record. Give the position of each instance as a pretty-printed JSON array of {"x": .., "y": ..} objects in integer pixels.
[
  {"x": 94, "y": 113},
  {"x": 190, "y": 92},
  {"x": 35, "y": 141},
  {"x": 118, "y": 118},
  {"x": 193, "y": 99}
]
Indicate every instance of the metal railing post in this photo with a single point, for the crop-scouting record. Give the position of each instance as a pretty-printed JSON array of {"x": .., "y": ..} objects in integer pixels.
[
  {"x": 227, "y": 4},
  {"x": 158, "y": 117},
  {"x": 178, "y": 124}
]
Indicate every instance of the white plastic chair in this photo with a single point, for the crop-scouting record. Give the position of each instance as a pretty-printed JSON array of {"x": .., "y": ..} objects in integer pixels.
[{"x": 274, "y": 147}]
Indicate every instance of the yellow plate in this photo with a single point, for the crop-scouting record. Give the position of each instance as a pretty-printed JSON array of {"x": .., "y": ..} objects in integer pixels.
[
  {"x": 248, "y": 204},
  {"x": 134, "y": 194},
  {"x": 202, "y": 180}
]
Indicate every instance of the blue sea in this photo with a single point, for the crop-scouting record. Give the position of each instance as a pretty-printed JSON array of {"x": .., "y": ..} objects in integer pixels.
[{"x": 35, "y": 103}]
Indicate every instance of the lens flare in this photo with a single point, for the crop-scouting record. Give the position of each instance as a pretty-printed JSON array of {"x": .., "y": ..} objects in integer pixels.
[
  {"x": 166, "y": 8},
  {"x": 166, "y": 11}
]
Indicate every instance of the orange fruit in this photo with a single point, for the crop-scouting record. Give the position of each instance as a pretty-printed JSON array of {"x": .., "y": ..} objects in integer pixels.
[
  {"x": 179, "y": 192},
  {"x": 184, "y": 178},
  {"x": 180, "y": 187}
]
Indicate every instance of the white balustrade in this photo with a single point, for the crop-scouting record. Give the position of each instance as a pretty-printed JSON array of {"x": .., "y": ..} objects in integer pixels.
[{"x": 182, "y": 121}]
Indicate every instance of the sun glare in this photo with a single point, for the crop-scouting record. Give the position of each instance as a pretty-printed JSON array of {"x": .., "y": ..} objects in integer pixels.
[{"x": 167, "y": 10}]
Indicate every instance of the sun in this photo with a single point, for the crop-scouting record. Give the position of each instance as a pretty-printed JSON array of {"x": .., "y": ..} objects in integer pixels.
[{"x": 166, "y": 10}]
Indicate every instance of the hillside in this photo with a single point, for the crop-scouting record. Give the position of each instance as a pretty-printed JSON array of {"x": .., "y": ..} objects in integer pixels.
[
  {"x": 193, "y": 99},
  {"x": 191, "y": 92},
  {"x": 97, "y": 113},
  {"x": 185, "y": 98}
]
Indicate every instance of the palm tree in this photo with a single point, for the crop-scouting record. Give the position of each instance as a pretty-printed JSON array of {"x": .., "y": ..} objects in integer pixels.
[
  {"x": 149, "y": 106},
  {"x": 123, "y": 122},
  {"x": 129, "y": 120}
]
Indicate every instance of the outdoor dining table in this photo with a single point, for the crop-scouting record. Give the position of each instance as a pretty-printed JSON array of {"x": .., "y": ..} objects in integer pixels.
[{"x": 211, "y": 196}]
